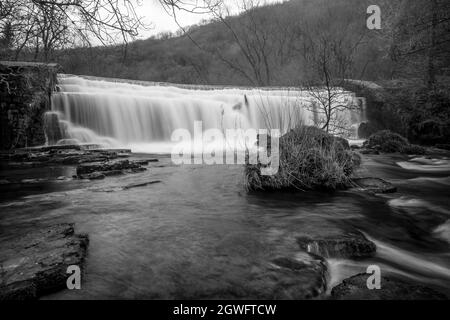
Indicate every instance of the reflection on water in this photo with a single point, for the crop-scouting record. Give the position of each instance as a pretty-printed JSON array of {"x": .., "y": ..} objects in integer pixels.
[{"x": 197, "y": 234}]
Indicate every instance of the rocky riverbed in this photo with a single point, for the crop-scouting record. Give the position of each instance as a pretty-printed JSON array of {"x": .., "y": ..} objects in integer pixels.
[
  {"x": 35, "y": 264},
  {"x": 162, "y": 231}
]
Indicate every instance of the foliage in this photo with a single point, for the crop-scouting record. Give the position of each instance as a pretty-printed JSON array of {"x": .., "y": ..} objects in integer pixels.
[
  {"x": 309, "y": 159},
  {"x": 389, "y": 142}
]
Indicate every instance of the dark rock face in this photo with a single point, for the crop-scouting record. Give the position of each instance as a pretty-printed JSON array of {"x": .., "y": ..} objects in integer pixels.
[
  {"x": 375, "y": 185},
  {"x": 52, "y": 128},
  {"x": 351, "y": 244},
  {"x": 365, "y": 130},
  {"x": 355, "y": 288},
  {"x": 36, "y": 264},
  {"x": 24, "y": 98}
]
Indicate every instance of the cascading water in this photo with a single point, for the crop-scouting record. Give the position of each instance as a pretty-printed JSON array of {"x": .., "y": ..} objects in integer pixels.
[{"x": 143, "y": 117}]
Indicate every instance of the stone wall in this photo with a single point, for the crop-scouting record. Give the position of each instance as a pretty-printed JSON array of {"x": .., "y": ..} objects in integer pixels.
[{"x": 25, "y": 91}]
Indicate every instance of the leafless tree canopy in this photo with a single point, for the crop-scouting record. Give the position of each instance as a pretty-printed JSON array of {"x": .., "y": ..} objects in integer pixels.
[{"x": 46, "y": 25}]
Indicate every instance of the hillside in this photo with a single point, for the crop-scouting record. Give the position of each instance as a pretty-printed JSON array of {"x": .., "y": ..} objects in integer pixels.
[{"x": 216, "y": 56}]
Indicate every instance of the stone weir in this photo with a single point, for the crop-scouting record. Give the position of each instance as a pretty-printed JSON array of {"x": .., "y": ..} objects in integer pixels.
[{"x": 25, "y": 90}]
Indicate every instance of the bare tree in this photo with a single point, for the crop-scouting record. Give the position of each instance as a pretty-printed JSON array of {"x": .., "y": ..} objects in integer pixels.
[
  {"x": 419, "y": 36},
  {"x": 258, "y": 40},
  {"x": 49, "y": 24},
  {"x": 328, "y": 57}
]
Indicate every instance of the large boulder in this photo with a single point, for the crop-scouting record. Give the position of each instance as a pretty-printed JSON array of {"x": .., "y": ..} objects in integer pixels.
[
  {"x": 355, "y": 288},
  {"x": 36, "y": 263}
]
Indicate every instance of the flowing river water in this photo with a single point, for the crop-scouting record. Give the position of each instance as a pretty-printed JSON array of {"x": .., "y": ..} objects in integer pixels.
[{"x": 198, "y": 234}]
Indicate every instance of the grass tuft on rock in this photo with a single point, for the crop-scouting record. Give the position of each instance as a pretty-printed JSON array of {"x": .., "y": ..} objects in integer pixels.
[
  {"x": 390, "y": 142},
  {"x": 310, "y": 159}
]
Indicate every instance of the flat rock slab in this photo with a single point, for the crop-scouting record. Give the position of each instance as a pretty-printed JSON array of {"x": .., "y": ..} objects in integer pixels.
[
  {"x": 375, "y": 185},
  {"x": 352, "y": 244},
  {"x": 66, "y": 155},
  {"x": 355, "y": 288},
  {"x": 108, "y": 166},
  {"x": 36, "y": 264}
]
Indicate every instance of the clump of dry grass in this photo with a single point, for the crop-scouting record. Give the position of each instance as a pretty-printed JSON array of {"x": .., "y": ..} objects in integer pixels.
[{"x": 309, "y": 159}]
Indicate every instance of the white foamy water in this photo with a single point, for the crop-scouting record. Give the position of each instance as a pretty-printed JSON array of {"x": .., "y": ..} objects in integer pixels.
[
  {"x": 443, "y": 180},
  {"x": 443, "y": 231},
  {"x": 144, "y": 117},
  {"x": 421, "y": 264},
  {"x": 426, "y": 165},
  {"x": 405, "y": 202}
]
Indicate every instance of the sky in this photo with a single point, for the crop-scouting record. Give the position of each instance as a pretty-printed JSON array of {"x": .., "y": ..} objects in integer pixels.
[{"x": 161, "y": 21}]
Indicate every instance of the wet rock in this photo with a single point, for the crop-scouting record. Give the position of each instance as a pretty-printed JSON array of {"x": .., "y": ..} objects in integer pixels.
[
  {"x": 352, "y": 244},
  {"x": 141, "y": 184},
  {"x": 343, "y": 142},
  {"x": 67, "y": 155},
  {"x": 134, "y": 170},
  {"x": 443, "y": 146},
  {"x": 31, "y": 180},
  {"x": 106, "y": 166},
  {"x": 368, "y": 151},
  {"x": 54, "y": 148},
  {"x": 92, "y": 176},
  {"x": 300, "y": 277},
  {"x": 113, "y": 173},
  {"x": 375, "y": 185},
  {"x": 355, "y": 288},
  {"x": 36, "y": 264}
]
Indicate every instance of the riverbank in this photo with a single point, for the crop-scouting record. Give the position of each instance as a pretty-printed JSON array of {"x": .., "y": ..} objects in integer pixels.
[{"x": 196, "y": 233}]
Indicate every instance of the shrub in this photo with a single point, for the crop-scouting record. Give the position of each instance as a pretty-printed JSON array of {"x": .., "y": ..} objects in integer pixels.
[
  {"x": 414, "y": 149},
  {"x": 309, "y": 159},
  {"x": 389, "y": 142}
]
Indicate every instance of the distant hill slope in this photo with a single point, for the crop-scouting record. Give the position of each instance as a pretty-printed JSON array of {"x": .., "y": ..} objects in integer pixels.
[{"x": 273, "y": 38}]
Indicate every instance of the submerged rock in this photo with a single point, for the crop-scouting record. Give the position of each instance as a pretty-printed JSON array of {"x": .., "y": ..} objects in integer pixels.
[
  {"x": 36, "y": 264},
  {"x": 351, "y": 244},
  {"x": 375, "y": 185},
  {"x": 355, "y": 288},
  {"x": 140, "y": 184}
]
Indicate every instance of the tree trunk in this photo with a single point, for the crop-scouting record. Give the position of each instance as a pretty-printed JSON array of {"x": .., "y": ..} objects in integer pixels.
[{"x": 431, "y": 69}]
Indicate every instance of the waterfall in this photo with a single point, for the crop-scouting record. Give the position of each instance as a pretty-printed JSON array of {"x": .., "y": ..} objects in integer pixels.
[{"x": 143, "y": 117}]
